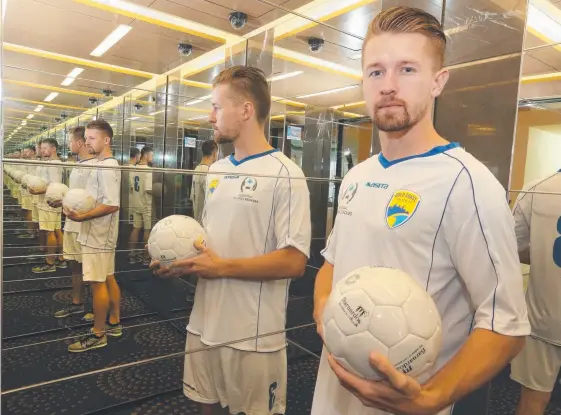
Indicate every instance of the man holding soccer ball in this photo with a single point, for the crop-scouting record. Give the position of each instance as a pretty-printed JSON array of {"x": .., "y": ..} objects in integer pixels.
[
  {"x": 438, "y": 214},
  {"x": 98, "y": 239},
  {"x": 257, "y": 220}
]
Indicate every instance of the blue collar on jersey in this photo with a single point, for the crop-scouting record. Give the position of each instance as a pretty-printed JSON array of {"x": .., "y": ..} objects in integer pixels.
[
  {"x": 432, "y": 152},
  {"x": 254, "y": 156}
]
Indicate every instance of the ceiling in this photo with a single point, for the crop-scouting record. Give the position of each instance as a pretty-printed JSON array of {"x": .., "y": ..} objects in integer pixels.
[{"x": 38, "y": 56}]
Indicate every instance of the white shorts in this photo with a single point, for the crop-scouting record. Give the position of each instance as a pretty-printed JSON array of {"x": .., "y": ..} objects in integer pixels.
[
  {"x": 537, "y": 365},
  {"x": 27, "y": 202},
  {"x": 97, "y": 264},
  {"x": 71, "y": 247},
  {"x": 142, "y": 219},
  {"x": 49, "y": 221},
  {"x": 248, "y": 382}
]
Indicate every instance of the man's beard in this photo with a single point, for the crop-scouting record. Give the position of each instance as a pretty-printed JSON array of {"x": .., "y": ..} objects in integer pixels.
[
  {"x": 399, "y": 119},
  {"x": 219, "y": 138},
  {"x": 92, "y": 151}
]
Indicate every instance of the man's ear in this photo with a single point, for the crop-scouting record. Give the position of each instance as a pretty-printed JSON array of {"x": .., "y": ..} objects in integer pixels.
[{"x": 440, "y": 82}]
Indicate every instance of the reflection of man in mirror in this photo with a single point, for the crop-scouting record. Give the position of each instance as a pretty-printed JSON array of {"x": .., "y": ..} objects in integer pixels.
[
  {"x": 98, "y": 239},
  {"x": 198, "y": 190},
  {"x": 134, "y": 158},
  {"x": 256, "y": 243},
  {"x": 439, "y": 215},
  {"x": 71, "y": 247},
  {"x": 141, "y": 206}
]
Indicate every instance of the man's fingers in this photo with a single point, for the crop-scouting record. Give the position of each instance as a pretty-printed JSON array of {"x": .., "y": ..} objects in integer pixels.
[
  {"x": 400, "y": 381},
  {"x": 200, "y": 244}
]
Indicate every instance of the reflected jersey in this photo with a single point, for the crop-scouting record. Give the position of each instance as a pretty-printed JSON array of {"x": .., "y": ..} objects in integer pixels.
[
  {"x": 443, "y": 218},
  {"x": 105, "y": 187},
  {"x": 198, "y": 191},
  {"x": 245, "y": 216},
  {"x": 77, "y": 180},
  {"x": 538, "y": 226},
  {"x": 51, "y": 174},
  {"x": 140, "y": 184}
]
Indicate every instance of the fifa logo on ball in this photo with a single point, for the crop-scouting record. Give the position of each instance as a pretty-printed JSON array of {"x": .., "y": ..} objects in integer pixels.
[{"x": 361, "y": 312}]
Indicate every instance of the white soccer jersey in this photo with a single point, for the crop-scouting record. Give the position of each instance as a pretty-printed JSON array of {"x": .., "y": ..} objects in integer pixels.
[
  {"x": 198, "y": 191},
  {"x": 140, "y": 184},
  {"x": 443, "y": 218},
  {"x": 247, "y": 216},
  {"x": 105, "y": 187},
  {"x": 77, "y": 180},
  {"x": 51, "y": 174},
  {"x": 538, "y": 225}
]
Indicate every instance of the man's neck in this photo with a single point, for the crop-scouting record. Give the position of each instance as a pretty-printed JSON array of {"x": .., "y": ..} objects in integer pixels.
[
  {"x": 106, "y": 153},
  {"x": 418, "y": 140},
  {"x": 142, "y": 163},
  {"x": 84, "y": 155},
  {"x": 250, "y": 144},
  {"x": 206, "y": 161}
]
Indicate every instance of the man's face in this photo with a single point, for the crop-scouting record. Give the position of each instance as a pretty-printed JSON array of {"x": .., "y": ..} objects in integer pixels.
[
  {"x": 149, "y": 157},
  {"x": 75, "y": 145},
  {"x": 400, "y": 79},
  {"x": 96, "y": 141},
  {"x": 26, "y": 153},
  {"x": 227, "y": 114},
  {"x": 47, "y": 150}
]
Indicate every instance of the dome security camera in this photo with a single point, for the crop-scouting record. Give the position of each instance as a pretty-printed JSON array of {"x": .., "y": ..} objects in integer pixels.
[
  {"x": 107, "y": 92},
  {"x": 238, "y": 20},
  {"x": 63, "y": 116},
  {"x": 92, "y": 100},
  {"x": 316, "y": 44},
  {"x": 137, "y": 106},
  {"x": 185, "y": 49}
]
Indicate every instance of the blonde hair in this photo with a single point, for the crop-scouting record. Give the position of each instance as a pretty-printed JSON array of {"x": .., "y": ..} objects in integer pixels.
[
  {"x": 252, "y": 84},
  {"x": 403, "y": 19}
]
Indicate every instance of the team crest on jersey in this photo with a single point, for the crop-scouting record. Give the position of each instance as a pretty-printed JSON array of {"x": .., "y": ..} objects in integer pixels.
[
  {"x": 213, "y": 185},
  {"x": 402, "y": 206},
  {"x": 249, "y": 184}
]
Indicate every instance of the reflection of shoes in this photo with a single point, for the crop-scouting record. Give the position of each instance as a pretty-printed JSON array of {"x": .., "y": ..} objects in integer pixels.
[
  {"x": 71, "y": 309},
  {"x": 89, "y": 317},
  {"x": 89, "y": 342},
  {"x": 26, "y": 236},
  {"x": 146, "y": 262},
  {"x": 61, "y": 264},
  {"x": 134, "y": 260},
  {"x": 40, "y": 269},
  {"x": 114, "y": 331}
]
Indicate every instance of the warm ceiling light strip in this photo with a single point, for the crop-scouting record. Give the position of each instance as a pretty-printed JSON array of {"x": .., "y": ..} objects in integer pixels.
[
  {"x": 351, "y": 105},
  {"x": 46, "y": 104},
  {"x": 52, "y": 88},
  {"x": 77, "y": 61},
  {"x": 316, "y": 63},
  {"x": 546, "y": 77},
  {"x": 158, "y": 18}
]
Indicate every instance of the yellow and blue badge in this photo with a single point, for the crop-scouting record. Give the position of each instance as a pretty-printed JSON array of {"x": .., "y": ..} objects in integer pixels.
[
  {"x": 401, "y": 208},
  {"x": 213, "y": 185}
]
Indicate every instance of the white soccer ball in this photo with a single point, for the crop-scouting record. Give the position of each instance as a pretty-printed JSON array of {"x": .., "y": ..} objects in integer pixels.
[
  {"x": 55, "y": 192},
  {"x": 23, "y": 179},
  {"x": 386, "y": 311},
  {"x": 173, "y": 238},
  {"x": 37, "y": 184},
  {"x": 78, "y": 200}
]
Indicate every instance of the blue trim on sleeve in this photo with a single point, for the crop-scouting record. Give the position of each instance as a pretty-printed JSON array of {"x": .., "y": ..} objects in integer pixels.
[
  {"x": 252, "y": 157},
  {"x": 484, "y": 238},
  {"x": 432, "y": 152}
]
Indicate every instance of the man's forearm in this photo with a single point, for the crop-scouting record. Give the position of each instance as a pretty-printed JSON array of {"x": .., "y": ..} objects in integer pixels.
[
  {"x": 280, "y": 264},
  {"x": 323, "y": 284},
  {"x": 99, "y": 211},
  {"x": 480, "y": 359}
]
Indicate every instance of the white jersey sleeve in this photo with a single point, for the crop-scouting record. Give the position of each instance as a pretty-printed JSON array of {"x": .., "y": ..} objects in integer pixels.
[
  {"x": 479, "y": 230},
  {"x": 110, "y": 186},
  {"x": 522, "y": 213},
  {"x": 328, "y": 252},
  {"x": 292, "y": 212}
]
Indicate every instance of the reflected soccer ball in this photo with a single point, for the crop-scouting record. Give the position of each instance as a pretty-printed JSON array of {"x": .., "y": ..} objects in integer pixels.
[
  {"x": 55, "y": 192},
  {"x": 18, "y": 174},
  {"x": 173, "y": 238},
  {"x": 386, "y": 311},
  {"x": 37, "y": 184},
  {"x": 79, "y": 200}
]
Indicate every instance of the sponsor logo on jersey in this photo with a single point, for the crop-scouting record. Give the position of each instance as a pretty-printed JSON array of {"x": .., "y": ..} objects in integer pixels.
[
  {"x": 349, "y": 194},
  {"x": 401, "y": 207},
  {"x": 377, "y": 185},
  {"x": 213, "y": 185}
]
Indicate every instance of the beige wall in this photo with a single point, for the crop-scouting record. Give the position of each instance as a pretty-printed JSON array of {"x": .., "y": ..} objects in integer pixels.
[{"x": 527, "y": 118}]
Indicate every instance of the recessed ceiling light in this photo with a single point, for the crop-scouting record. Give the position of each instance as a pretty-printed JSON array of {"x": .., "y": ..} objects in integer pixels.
[
  {"x": 356, "y": 56},
  {"x": 331, "y": 91},
  {"x": 51, "y": 96},
  {"x": 285, "y": 76},
  {"x": 30, "y": 116},
  {"x": 39, "y": 108},
  {"x": 111, "y": 40},
  {"x": 72, "y": 76}
]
